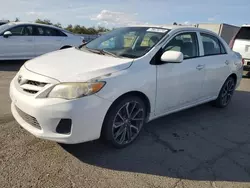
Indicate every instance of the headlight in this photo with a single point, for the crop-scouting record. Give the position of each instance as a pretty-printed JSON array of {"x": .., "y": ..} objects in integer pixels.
[{"x": 75, "y": 90}]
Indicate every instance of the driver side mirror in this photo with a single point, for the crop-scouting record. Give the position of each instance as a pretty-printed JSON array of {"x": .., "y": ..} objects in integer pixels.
[
  {"x": 7, "y": 34},
  {"x": 172, "y": 57}
]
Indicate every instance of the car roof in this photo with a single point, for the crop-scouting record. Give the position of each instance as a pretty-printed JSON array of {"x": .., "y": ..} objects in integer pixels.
[
  {"x": 38, "y": 24},
  {"x": 177, "y": 28},
  {"x": 30, "y": 23}
]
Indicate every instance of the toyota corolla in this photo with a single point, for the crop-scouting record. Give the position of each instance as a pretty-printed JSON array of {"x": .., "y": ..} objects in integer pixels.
[{"x": 116, "y": 83}]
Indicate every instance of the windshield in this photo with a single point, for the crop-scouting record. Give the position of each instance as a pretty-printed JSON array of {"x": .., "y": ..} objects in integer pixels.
[
  {"x": 131, "y": 42},
  {"x": 4, "y": 27},
  {"x": 244, "y": 33}
]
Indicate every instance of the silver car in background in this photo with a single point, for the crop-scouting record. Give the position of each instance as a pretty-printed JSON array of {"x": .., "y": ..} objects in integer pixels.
[{"x": 19, "y": 40}]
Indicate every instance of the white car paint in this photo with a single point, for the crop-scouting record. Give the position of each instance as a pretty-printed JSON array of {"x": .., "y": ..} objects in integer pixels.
[
  {"x": 29, "y": 46},
  {"x": 169, "y": 87},
  {"x": 80, "y": 67}
]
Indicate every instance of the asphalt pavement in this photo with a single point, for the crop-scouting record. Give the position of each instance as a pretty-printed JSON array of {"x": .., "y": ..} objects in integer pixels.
[{"x": 200, "y": 147}]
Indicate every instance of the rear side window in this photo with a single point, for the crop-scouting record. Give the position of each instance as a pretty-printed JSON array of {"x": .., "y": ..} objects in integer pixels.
[
  {"x": 244, "y": 33},
  {"x": 212, "y": 45},
  {"x": 46, "y": 31}
]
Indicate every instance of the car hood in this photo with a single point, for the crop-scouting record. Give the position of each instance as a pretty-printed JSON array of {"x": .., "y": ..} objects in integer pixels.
[{"x": 73, "y": 65}]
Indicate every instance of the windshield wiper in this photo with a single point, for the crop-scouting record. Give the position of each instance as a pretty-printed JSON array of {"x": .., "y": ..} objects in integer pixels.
[
  {"x": 109, "y": 53},
  {"x": 102, "y": 52}
]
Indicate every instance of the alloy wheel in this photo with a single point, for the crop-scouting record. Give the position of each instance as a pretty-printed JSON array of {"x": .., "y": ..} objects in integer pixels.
[
  {"x": 227, "y": 92},
  {"x": 128, "y": 122}
]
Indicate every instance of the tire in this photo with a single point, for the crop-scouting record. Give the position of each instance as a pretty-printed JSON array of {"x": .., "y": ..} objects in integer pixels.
[
  {"x": 226, "y": 93},
  {"x": 124, "y": 121},
  {"x": 65, "y": 47}
]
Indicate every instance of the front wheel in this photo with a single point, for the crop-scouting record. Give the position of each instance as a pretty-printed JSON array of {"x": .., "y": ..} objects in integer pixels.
[
  {"x": 124, "y": 121},
  {"x": 226, "y": 93}
]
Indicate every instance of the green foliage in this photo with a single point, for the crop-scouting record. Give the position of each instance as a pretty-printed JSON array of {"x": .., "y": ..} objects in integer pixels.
[
  {"x": 76, "y": 28},
  {"x": 17, "y": 20}
]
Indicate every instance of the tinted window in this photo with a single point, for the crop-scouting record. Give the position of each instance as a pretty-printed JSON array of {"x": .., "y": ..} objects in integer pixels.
[
  {"x": 132, "y": 42},
  {"x": 149, "y": 40},
  {"x": 29, "y": 30},
  {"x": 185, "y": 43},
  {"x": 46, "y": 31},
  {"x": 212, "y": 45},
  {"x": 21, "y": 31},
  {"x": 16, "y": 31},
  {"x": 244, "y": 33}
]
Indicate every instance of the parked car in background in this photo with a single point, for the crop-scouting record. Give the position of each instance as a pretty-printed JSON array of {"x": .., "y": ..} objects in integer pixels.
[
  {"x": 241, "y": 44},
  {"x": 27, "y": 40},
  {"x": 3, "y": 22},
  {"x": 114, "y": 84}
]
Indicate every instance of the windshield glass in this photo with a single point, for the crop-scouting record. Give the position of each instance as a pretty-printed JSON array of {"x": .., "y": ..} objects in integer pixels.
[
  {"x": 4, "y": 27},
  {"x": 131, "y": 42},
  {"x": 244, "y": 33}
]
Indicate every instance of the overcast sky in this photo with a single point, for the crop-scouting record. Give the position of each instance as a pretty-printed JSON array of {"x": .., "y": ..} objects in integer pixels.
[{"x": 124, "y": 12}]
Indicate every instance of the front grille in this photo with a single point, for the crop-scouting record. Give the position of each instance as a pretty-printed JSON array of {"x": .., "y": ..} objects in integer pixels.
[
  {"x": 30, "y": 86},
  {"x": 29, "y": 119},
  {"x": 35, "y": 83},
  {"x": 30, "y": 91}
]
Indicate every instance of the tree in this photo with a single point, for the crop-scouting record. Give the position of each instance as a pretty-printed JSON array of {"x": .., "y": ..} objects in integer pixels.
[
  {"x": 45, "y": 21},
  {"x": 76, "y": 28},
  {"x": 17, "y": 20},
  {"x": 69, "y": 28},
  {"x": 58, "y": 25}
]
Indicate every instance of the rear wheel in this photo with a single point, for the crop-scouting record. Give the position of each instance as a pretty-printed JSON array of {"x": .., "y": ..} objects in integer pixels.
[
  {"x": 65, "y": 47},
  {"x": 124, "y": 121},
  {"x": 226, "y": 93}
]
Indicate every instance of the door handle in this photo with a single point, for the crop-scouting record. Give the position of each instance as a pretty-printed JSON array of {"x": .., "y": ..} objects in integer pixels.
[
  {"x": 227, "y": 62},
  {"x": 199, "y": 67},
  {"x": 29, "y": 40}
]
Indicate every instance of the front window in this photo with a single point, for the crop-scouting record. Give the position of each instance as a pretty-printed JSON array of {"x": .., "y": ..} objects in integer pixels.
[
  {"x": 5, "y": 27},
  {"x": 186, "y": 43},
  {"x": 131, "y": 42}
]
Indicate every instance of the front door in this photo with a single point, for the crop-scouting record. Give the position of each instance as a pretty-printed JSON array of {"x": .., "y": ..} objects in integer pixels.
[
  {"x": 180, "y": 84},
  {"x": 20, "y": 45}
]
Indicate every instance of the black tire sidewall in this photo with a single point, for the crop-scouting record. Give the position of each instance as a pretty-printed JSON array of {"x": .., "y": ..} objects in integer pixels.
[
  {"x": 108, "y": 122},
  {"x": 219, "y": 99}
]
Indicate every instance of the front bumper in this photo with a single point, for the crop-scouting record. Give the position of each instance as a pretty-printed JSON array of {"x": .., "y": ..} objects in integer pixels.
[{"x": 87, "y": 115}]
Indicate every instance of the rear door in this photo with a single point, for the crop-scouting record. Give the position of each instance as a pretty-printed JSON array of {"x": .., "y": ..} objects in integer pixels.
[
  {"x": 20, "y": 45},
  {"x": 216, "y": 62},
  {"x": 242, "y": 42},
  {"x": 47, "y": 39}
]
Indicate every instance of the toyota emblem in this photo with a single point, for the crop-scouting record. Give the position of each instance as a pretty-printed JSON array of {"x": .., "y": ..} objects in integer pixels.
[{"x": 19, "y": 79}]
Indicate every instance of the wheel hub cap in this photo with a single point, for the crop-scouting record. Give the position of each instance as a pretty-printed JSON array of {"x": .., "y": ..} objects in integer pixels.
[{"x": 128, "y": 122}]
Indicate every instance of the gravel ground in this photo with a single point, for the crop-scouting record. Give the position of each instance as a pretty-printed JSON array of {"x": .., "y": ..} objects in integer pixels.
[{"x": 200, "y": 147}]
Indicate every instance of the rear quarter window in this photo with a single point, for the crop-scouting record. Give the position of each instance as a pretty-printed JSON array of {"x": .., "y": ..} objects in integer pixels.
[{"x": 244, "y": 33}]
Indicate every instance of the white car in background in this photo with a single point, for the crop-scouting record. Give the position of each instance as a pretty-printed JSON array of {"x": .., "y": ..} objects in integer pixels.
[
  {"x": 27, "y": 40},
  {"x": 117, "y": 82},
  {"x": 241, "y": 44}
]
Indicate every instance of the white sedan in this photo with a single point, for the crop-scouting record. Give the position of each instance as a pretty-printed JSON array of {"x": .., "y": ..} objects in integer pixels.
[
  {"x": 26, "y": 40},
  {"x": 116, "y": 83}
]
